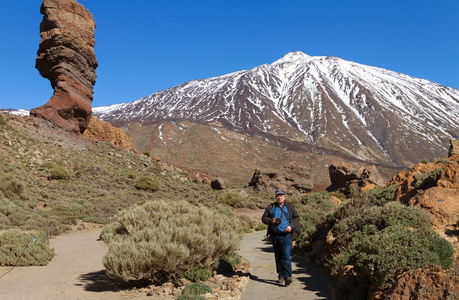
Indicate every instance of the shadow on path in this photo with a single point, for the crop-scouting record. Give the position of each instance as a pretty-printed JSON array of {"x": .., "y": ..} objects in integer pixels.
[{"x": 100, "y": 282}]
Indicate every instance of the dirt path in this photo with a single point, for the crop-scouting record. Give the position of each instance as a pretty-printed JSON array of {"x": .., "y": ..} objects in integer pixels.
[
  {"x": 76, "y": 272},
  {"x": 307, "y": 283}
]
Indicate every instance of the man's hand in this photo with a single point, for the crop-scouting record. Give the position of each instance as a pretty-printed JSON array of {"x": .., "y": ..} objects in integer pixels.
[
  {"x": 273, "y": 221},
  {"x": 288, "y": 229}
]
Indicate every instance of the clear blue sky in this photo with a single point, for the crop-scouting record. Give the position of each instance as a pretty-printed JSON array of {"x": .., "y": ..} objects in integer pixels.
[{"x": 144, "y": 46}]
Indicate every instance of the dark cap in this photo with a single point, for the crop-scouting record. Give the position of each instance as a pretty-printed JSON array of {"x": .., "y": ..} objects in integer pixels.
[{"x": 280, "y": 192}]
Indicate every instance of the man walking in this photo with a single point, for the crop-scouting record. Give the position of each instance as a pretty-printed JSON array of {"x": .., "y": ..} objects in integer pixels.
[{"x": 283, "y": 222}]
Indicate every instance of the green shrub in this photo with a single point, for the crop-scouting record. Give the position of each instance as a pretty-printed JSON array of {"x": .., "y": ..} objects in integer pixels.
[
  {"x": 233, "y": 199},
  {"x": 196, "y": 273},
  {"x": 425, "y": 181},
  {"x": 160, "y": 240},
  {"x": 189, "y": 297},
  {"x": 441, "y": 161},
  {"x": 59, "y": 173},
  {"x": 375, "y": 219},
  {"x": 196, "y": 289},
  {"x": 146, "y": 153},
  {"x": 14, "y": 213},
  {"x": 397, "y": 249},
  {"x": 11, "y": 187},
  {"x": 24, "y": 249},
  {"x": 382, "y": 243},
  {"x": 147, "y": 183},
  {"x": 314, "y": 212},
  {"x": 382, "y": 196},
  {"x": 424, "y": 161}
]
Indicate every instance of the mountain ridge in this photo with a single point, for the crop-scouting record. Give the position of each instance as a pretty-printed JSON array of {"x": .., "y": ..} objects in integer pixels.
[{"x": 313, "y": 103}]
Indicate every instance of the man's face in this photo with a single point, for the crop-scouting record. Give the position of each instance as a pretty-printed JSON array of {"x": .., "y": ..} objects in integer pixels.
[{"x": 280, "y": 199}]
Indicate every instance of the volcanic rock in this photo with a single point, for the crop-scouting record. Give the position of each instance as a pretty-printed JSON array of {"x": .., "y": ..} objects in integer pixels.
[
  {"x": 294, "y": 178},
  {"x": 433, "y": 187},
  {"x": 443, "y": 173},
  {"x": 218, "y": 184},
  {"x": 66, "y": 57},
  {"x": 453, "y": 147},
  {"x": 430, "y": 282},
  {"x": 442, "y": 204},
  {"x": 345, "y": 179},
  {"x": 101, "y": 130}
]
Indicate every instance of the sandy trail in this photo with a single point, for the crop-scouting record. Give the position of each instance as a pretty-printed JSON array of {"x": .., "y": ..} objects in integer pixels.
[
  {"x": 76, "y": 272},
  {"x": 308, "y": 283}
]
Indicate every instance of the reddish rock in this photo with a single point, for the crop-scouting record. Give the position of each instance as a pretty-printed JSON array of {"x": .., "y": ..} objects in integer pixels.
[
  {"x": 453, "y": 147},
  {"x": 442, "y": 204},
  {"x": 66, "y": 57},
  {"x": 101, "y": 130},
  {"x": 293, "y": 178},
  {"x": 426, "y": 283},
  {"x": 345, "y": 179}
]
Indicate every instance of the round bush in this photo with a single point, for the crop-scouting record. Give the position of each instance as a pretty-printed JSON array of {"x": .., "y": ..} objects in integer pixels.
[
  {"x": 160, "y": 240},
  {"x": 196, "y": 289},
  {"x": 147, "y": 183},
  {"x": 382, "y": 243},
  {"x": 59, "y": 173},
  {"x": 233, "y": 199},
  {"x": 24, "y": 249},
  {"x": 11, "y": 187}
]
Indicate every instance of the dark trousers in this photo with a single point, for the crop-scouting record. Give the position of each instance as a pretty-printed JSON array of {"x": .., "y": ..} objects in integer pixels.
[{"x": 282, "y": 244}]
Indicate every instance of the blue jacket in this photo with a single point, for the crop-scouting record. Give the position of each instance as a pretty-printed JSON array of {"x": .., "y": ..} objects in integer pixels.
[{"x": 294, "y": 217}]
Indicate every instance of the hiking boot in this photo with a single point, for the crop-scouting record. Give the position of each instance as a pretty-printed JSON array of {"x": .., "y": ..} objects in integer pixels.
[
  {"x": 288, "y": 281},
  {"x": 280, "y": 280}
]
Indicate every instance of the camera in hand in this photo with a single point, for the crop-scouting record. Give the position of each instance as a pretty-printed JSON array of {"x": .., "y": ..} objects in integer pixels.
[{"x": 278, "y": 221}]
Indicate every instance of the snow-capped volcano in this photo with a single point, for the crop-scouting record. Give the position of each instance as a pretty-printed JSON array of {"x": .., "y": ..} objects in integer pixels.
[{"x": 303, "y": 102}]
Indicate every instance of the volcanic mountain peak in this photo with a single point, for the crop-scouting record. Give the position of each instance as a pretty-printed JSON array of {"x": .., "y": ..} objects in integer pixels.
[
  {"x": 293, "y": 57},
  {"x": 314, "y": 103}
]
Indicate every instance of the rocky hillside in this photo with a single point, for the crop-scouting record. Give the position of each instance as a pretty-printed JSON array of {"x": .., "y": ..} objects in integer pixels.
[
  {"x": 217, "y": 152},
  {"x": 51, "y": 177},
  {"x": 310, "y": 104}
]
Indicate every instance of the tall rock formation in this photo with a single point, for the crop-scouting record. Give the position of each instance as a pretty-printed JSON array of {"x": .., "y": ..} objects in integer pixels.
[{"x": 66, "y": 57}]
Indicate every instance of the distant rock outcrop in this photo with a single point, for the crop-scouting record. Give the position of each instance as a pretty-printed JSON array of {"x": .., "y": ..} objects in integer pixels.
[
  {"x": 294, "y": 178},
  {"x": 453, "y": 147},
  {"x": 345, "y": 179},
  {"x": 66, "y": 57},
  {"x": 101, "y": 130},
  {"x": 434, "y": 187}
]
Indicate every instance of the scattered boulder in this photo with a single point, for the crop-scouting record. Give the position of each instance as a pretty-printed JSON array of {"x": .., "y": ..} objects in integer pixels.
[
  {"x": 345, "y": 179},
  {"x": 101, "y": 130},
  {"x": 218, "y": 184},
  {"x": 200, "y": 178},
  {"x": 66, "y": 57},
  {"x": 294, "y": 178}
]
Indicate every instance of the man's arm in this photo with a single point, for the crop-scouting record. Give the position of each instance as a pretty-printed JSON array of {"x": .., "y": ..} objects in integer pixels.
[
  {"x": 266, "y": 219},
  {"x": 295, "y": 224}
]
